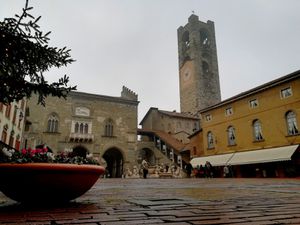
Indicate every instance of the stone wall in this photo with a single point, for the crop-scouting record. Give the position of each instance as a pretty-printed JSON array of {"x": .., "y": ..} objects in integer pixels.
[{"x": 107, "y": 123}]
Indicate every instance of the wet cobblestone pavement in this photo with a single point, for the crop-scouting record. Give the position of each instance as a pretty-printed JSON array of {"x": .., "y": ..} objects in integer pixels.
[{"x": 169, "y": 201}]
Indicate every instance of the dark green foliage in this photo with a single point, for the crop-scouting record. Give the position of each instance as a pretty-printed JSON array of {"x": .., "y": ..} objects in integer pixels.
[{"x": 25, "y": 56}]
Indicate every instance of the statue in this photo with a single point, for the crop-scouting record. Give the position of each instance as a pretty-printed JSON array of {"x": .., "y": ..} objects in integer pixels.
[
  {"x": 135, "y": 172},
  {"x": 128, "y": 173}
]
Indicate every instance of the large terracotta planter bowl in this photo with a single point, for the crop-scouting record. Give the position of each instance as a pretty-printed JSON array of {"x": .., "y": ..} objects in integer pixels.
[{"x": 47, "y": 182}]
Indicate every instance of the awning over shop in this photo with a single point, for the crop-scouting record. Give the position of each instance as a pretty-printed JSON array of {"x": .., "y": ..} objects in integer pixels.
[
  {"x": 261, "y": 156},
  {"x": 215, "y": 160},
  {"x": 248, "y": 157}
]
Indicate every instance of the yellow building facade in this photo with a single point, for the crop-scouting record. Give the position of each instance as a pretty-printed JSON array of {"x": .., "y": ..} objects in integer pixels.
[
  {"x": 265, "y": 118},
  {"x": 12, "y": 123}
]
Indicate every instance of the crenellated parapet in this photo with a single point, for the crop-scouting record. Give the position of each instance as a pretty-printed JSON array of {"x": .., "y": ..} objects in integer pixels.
[{"x": 128, "y": 94}]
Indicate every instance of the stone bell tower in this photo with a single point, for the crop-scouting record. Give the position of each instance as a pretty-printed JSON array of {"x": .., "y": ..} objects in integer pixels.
[{"x": 198, "y": 65}]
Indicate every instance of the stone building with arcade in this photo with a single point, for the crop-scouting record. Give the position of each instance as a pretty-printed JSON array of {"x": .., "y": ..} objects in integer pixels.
[{"x": 103, "y": 125}]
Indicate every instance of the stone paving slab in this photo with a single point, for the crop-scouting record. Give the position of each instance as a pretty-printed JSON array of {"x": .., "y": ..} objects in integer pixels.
[{"x": 168, "y": 201}]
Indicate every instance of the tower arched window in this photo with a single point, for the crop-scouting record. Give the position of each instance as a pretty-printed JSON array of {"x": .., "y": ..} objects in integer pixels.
[
  {"x": 204, "y": 38},
  {"x": 109, "y": 128},
  {"x": 231, "y": 135},
  {"x": 52, "y": 126},
  {"x": 205, "y": 67},
  {"x": 291, "y": 122},
  {"x": 210, "y": 140},
  {"x": 257, "y": 130},
  {"x": 186, "y": 39}
]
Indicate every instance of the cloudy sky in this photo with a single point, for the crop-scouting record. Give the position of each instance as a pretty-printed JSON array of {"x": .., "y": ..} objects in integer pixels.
[{"x": 134, "y": 43}]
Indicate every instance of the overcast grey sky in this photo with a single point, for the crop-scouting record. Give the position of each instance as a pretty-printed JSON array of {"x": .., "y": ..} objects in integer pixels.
[{"x": 134, "y": 43}]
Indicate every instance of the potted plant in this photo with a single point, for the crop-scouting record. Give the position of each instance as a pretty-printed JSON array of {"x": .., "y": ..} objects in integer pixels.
[{"x": 39, "y": 176}]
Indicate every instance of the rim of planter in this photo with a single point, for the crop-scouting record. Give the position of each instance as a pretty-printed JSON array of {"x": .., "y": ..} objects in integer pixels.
[
  {"x": 47, "y": 182},
  {"x": 55, "y": 166}
]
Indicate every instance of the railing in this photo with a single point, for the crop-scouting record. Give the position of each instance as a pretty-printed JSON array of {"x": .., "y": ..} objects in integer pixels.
[
  {"x": 169, "y": 152},
  {"x": 75, "y": 137}
]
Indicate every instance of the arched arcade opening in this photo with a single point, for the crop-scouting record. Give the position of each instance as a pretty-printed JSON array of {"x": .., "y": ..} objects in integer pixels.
[
  {"x": 80, "y": 151},
  {"x": 147, "y": 154},
  {"x": 114, "y": 160}
]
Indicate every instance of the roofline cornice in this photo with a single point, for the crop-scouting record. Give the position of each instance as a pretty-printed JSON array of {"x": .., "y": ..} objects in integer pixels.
[
  {"x": 281, "y": 80},
  {"x": 84, "y": 95}
]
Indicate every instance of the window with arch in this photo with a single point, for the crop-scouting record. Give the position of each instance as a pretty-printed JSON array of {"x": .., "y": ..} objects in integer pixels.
[
  {"x": 15, "y": 114},
  {"x": 186, "y": 39},
  {"x": 81, "y": 127},
  {"x": 4, "y": 133},
  {"x": 257, "y": 130},
  {"x": 52, "y": 125},
  {"x": 11, "y": 138},
  {"x": 204, "y": 38},
  {"x": 205, "y": 67},
  {"x": 17, "y": 142},
  {"x": 291, "y": 122},
  {"x": 86, "y": 128},
  {"x": 109, "y": 128},
  {"x": 231, "y": 135},
  {"x": 8, "y": 109},
  {"x": 76, "y": 130},
  {"x": 210, "y": 140}
]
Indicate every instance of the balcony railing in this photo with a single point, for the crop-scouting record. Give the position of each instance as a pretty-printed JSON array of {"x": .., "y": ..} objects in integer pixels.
[{"x": 75, "y": 137}]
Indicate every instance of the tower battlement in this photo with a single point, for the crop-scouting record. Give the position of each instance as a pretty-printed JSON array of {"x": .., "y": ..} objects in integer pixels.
[{"x": 128, "y": 94}]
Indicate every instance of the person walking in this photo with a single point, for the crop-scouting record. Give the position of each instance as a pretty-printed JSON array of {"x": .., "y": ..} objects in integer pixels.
[
  {"x": 208, "y": 170},
  {"x": 226, "y": 171},
  {"x": 189, "y": 169},
  {"x": 145, "y": 166}
]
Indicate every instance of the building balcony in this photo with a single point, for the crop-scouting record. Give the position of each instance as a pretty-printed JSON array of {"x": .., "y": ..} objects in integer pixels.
[{"x": 75, "y": 137}]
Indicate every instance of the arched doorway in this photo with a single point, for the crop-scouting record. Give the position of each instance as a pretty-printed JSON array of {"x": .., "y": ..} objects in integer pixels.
[
  {"x": 114, "y": 160},
  {"x": 80, "y": 151},
  {"x": 148, "y": 155}
]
